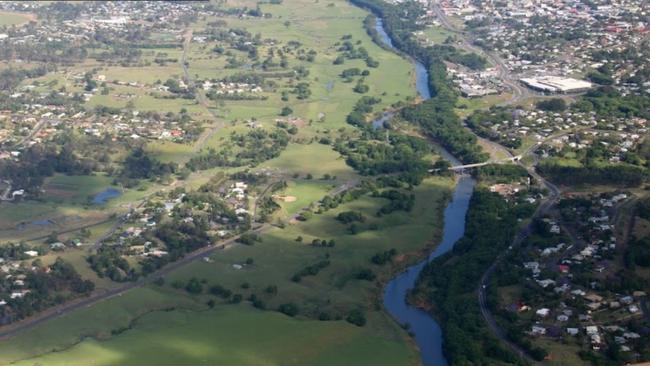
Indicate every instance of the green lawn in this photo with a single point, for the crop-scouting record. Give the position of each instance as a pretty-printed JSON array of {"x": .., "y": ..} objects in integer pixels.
[
  {"x": 314, "y": 159},
  {"x": 437, "y": 34},
  {"x": 73, "y": 188},
  {"x": 96, "y": 321},
  {"x": 304, "y": 192},
  {"x": 234, "y": 336}
]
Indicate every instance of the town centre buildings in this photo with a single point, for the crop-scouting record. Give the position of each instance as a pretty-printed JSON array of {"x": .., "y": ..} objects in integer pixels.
[{"x": 556, "y": 84}]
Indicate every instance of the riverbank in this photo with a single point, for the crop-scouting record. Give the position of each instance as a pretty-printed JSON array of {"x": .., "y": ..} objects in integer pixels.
[
  {"x": 425, "y": 330},
  {"x": 447, "y": 285}
]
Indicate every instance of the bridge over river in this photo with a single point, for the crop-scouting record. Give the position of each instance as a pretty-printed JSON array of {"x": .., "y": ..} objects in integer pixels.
[{"x": 511, "y": 159}]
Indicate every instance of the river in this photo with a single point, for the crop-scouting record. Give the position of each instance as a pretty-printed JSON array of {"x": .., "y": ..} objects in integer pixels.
[{"x": 427, "y": 332}]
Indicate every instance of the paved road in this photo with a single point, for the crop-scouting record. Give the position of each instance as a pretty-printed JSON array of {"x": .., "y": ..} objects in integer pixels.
[
  {"x": 519, "y": 92},
  {"x": 543, "y": 208},
  {"x": 521, "y": 236}
]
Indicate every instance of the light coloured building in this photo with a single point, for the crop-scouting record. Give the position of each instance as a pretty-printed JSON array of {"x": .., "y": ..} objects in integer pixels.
[{"x": 556, "y": 84}]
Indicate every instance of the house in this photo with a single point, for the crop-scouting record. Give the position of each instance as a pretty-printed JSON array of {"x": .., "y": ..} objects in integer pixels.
[
  {"x": 578, "y": 292},
  {"x": 572, "y": 331},
  {"x": 631, "y": 335},
  {"x": 158, "y": 253},
  {"x": 538, "y": 330},
  {"x": 563, "y": 268},
  {"x": 543, "y": 312},
  {"x": 545, "y": 283},
  {"x": 593, "y": 298},
  {"x": 57, "y": 246},
  {"x": 555, "y": 229},
  {"x": 626, "y": 300},
  {"x": 594, "y": 306},
  {"x": 19, "y": 294}
]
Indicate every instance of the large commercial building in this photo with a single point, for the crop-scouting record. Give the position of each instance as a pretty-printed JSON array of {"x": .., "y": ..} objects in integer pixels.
[{"x": 556, "y": 84}]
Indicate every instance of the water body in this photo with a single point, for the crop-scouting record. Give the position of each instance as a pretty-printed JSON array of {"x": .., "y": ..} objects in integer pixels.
[
  {"x": 385, "y": 117},
  {"x": 43, "y": 222},
  {"x": 105, "y": 195},
  {"x": 427, "y": 332}
]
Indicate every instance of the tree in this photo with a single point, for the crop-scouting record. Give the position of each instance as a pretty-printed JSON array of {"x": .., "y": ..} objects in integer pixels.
[
  {"x": 286, "y": 111},
  {"x": 552, "y": 105},
  {"x": 348, "y": 217},
  {"x": 194, "y": 286},
  {"x": 289, "y": 309},
  {"x": 356, "y": 317}
]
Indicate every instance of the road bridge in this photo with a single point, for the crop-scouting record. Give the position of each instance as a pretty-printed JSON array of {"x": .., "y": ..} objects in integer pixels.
[{"x": 476, "y": 165}]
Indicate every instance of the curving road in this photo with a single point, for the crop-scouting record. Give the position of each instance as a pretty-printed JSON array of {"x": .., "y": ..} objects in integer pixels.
[
  {"x": 519, "y": 92},
  {"x": 542, "y": 209}
]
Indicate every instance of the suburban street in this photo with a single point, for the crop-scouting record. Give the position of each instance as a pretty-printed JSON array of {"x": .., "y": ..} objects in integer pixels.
[{"x": 550, "y": 200}]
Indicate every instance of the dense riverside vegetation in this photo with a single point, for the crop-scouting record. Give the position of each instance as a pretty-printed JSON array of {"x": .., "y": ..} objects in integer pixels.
[
  {"x": 401, "y": 155},
  {"x": 436, "y": 115},
  {"x": 447, "y": 285},
  {"x": 617, "y": 175}
]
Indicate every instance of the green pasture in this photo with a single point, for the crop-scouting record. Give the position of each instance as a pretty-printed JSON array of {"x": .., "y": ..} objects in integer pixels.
[
  {"x": 237, "y": 336},
  {"x": 315, "y": 159},
  {"x": 279, "y": 255}
]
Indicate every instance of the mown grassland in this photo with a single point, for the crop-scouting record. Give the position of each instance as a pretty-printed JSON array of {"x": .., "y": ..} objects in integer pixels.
[{"x": 234, "y": 335}]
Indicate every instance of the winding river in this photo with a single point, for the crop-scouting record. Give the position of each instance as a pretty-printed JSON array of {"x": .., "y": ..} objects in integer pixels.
[{"x": 427, "y": 332}]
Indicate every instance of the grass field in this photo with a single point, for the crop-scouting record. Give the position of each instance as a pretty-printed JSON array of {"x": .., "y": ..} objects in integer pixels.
[
  {"x": 302, "y": 193},
  {"x": 437, "y": 34},
  {"x": 70, "y": 189},
  {"x": 467, "y": 106},
  {"x": 234, "y": 336},
  {"x": 318, "y": 26},
  {"x": 9, "y": 18},
  {"x": 315, "y": 159},
  {"x": 279, "y": 256},
  {"x": 97, "y": 321},
  {"x": 561, "y": 354}
]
